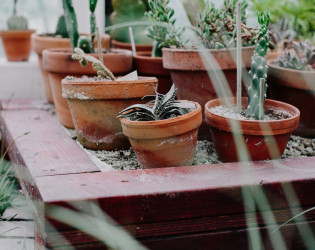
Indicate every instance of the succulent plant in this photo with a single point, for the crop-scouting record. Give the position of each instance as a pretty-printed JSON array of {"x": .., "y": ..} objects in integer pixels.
[
  {"x": 281, "y": 33},
  {"x": 61, "y": 29},
  {"x": 102, "y": 71},
  {"x": 16, "y": 22},
  {"x": 163, "y": 107},
  {"x": 217, "y": 27},
  {"x": 84, "y": 42},
  {"x": 258, "y": 72},
  {"x": 165, "y": 36},
  {"x": 303, "y": 59}
]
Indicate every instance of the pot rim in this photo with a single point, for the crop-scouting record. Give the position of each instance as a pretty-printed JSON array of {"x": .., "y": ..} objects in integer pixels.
[
  {"x": 17, "y": 32},
  {"x": 208, "y": 50},
  {"x": 166, "y": 122},
  {"x": 146, "y": 55},
  {"x": 271, "y": 64},
  {"x": 69, "y": 51},
  {"x": 144, "y": 45},
  {"x": 254, "y": 127}
]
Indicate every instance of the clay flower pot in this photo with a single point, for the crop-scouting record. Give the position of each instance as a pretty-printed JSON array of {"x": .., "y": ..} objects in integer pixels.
[
  {"x": 259, "y": 136},
  {"x": 190, "y": 75},
  {"x": 164, "y": 143},
  {"x": 139, "y": 47},
  {"x": 48, "y": 41},
  {"x": 153, "y": 66},
  {"x": 95, "y": 106},
  {"x": 297, "y": 88},
  {"x": 17, "y": 44},
  {"x": 59, "y": 64}
]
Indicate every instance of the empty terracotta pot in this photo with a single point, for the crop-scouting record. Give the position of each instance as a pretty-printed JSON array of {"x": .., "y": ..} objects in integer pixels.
[
  {"x": 153, "y": 66},
  {"x": 190, "y": 76},
  {"x": 17, "y": 44},
  {"x": 296, "y": 87},
  {"x": 263, "y": 140},
  {"x": 41, "y": 42},
  {"x": 164, "y": 143},
  {"x": 139, "y": 47},
  {"x": 95, "y": 106},
  {"x": 59, "y": 64}
]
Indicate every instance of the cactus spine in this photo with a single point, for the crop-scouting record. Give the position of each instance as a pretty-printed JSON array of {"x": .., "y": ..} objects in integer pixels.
[
  {"x": 258, "y": 71},
  {"x": 16, "y": 22}
]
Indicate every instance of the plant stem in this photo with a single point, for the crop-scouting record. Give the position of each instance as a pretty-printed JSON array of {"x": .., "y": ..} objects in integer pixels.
[
  {"x": 132, "y": 40},
  {"x": 261, "y": 98},
  {"x": 99, "y": 45},
  {"x": 239, "y": 57}
]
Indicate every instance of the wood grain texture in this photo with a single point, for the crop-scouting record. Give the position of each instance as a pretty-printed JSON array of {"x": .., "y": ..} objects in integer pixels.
[{"x": 25, "y": 103}]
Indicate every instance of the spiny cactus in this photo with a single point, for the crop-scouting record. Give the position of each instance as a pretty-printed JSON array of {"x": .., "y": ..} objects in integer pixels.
[
  {"x": 61, "y": 29},
  {"x": 102, "y": 71},
  {"x": 164, "y": 36},
  {"x": 258, "y": 71},
  {"x": 16, "y": 22},
  {"x": 163, "y": 107},
  {"x": 217, "y": 27},
  {"x": 93, "y": 4},
  {"x": 303, "y": 59}
]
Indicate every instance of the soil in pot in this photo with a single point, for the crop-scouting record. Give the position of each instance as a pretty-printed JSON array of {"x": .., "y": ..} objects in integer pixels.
[
  {"x": 153, "y": 66},
  {"x": 164, "y": 143},
  {"x": 17, "y": 44},
  {"x": 95, "y": 105},
  {"x": 41, "y": 42},
  {"x": 297, "y": 88},
  {"x": 191, "y": 78},
  {"x": 59, "y": 64},
  {"x": 264, "y": 140}
]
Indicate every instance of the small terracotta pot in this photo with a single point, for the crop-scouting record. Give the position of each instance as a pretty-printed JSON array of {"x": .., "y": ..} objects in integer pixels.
[
  {"x": 41, "y": 42},
  {"x": 191, "y": 78},
  {"x": 17, "y": 44},
  {"x": 153, "y": 66},
  {"x": 139, "y": 47},
  {"x": 95, "y": 106},
  {"x": 59, "y": 64},
  {"x": 264, "y": 140},
  {"x": 297, "y": 88},
  {"x": 164, "y": 143}
]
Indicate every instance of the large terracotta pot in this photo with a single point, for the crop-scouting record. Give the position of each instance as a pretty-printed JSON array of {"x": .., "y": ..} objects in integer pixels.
[
  {"x": 41, "y": 42},
  {"x": 264, "y": 140},
  {"x": 153, "y": 66},
  {"x": 191, "y": 78},
  {"x": 17, "y": 44},
  {"x": 139, "y": 47},
  {"x": 59, "y": 64},
  {"x": 297, "y": 88},
  {"x": 164, "y": 143},
  {"x": 95, "y": 106}
]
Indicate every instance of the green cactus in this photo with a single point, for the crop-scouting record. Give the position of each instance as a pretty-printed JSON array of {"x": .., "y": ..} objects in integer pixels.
[
  {"x": 84, "y": 43},
  {"x": 71, "y": 22},
  {"x": 93, "y": 4},
  {"x": 16, "y": 22},
  {"x": 61, "y": 29},
  {"x": 102, "y": 71},
  {"x": 258, "y": 70}
]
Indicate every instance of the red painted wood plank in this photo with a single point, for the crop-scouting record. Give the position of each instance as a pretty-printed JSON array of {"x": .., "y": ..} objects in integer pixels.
[
  {"x": 47, "y": 149},
  {"x": 25, "y": 103}
]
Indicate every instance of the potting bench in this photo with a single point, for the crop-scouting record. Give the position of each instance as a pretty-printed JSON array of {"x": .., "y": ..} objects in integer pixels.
[{"x": 197, "y": 207}]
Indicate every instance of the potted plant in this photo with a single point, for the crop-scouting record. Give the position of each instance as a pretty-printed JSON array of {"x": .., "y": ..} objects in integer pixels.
[
  {"x": 59, "y": 62},
  {"x": 216, "y": 34},
  {"x": 291, "y": 79},
  {"x": 96, "y": 101},
  {"x": 127, "y": 11},
  {"x": 17, "y": 39},
  {"x": 59, "y": 39},
  {"x": 151, "y": 63},
  {"x": 235, "y": 134},
  {"x": 163, "y": 132}
]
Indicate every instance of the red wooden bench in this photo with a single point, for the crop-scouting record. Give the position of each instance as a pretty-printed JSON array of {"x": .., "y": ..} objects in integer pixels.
[{"x": 198, "y": 207}]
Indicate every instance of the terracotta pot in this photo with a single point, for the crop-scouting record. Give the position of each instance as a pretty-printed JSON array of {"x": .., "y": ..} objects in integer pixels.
[
  {"x": 48, "y": 41},
  {"x": 191, "y": 78},
  {"x": 264, "y": 140},
  {"x": 59, "y": 64},
  {"x": 153, "y": 66},
  {"x": 17, "y": 44},
  {"x": 139, "y": 47},
  {"x": 164, "y": 143},
  {"x": 297, "y": 88},
  {"x": 95, "y": 106}
]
